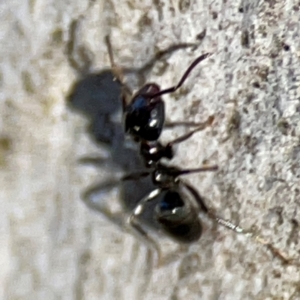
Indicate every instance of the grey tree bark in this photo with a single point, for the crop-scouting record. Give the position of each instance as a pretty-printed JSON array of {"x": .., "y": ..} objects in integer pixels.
[{"x": 53, "y": 58}]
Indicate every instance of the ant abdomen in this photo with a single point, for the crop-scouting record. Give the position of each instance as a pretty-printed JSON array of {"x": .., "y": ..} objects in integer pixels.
[{"x": 178, "y": 218}]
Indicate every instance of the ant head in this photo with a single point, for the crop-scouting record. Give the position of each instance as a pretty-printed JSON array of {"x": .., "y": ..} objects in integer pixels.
[
  {"x": 145, "y": 114},
  {"x": 178, "y": 218}
]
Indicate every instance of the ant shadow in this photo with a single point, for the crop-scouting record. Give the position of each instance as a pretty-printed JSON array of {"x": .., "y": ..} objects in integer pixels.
[{"x": 97, "y": 97}]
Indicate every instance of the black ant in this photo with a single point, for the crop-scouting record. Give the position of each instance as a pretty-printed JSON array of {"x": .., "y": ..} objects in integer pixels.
[
  {"x": 144, "y": 115},
  {"x": 177, "y": 211}
]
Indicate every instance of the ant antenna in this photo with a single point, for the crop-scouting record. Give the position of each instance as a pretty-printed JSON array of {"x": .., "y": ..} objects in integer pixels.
[{"x": 184, "y": 77}]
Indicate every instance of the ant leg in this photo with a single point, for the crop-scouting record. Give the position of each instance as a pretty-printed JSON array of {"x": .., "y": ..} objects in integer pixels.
[
  {"x": 94, "y": 161},
  {"x": 136, "y": 176},
  {"x": 116, "y": 70},
  {"x": 159, "y": 56},
  {"x": 179, "y": 172},
  {"x": 143, "y": 70},
  {"x": 171, "y": 125},
  {"x": 229, "y": 224},
  {"x": 257, "y": 238},
  {"x": 276, "y": 252},
  {"x": 211, "y": 214},
  {"x": 248, "y": 233},
  {"x": 135, "y": 224},
  {"x": 197, "y": 197},
  {"x": 186, "y": 136},
  {"x": 88, "y": 197}
]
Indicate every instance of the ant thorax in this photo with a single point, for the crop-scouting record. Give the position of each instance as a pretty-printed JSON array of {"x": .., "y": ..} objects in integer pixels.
[{"x": 152, "y": 152}]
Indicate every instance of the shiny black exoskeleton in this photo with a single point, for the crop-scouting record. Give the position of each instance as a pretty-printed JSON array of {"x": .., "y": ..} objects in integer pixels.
[
  {"x": 144, "y": 114},
  {"x": 144, "y": 117}
]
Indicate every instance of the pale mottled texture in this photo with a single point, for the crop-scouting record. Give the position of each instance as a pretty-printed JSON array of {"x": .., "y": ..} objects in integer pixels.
[{"x": 51, "y": 245}]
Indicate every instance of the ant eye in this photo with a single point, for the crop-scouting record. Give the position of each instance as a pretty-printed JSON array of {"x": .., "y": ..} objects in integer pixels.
[{"x": 171, "y": 200}]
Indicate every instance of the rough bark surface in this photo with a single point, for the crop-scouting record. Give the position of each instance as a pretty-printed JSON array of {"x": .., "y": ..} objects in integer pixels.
[{"x": 56, "y": 88}]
